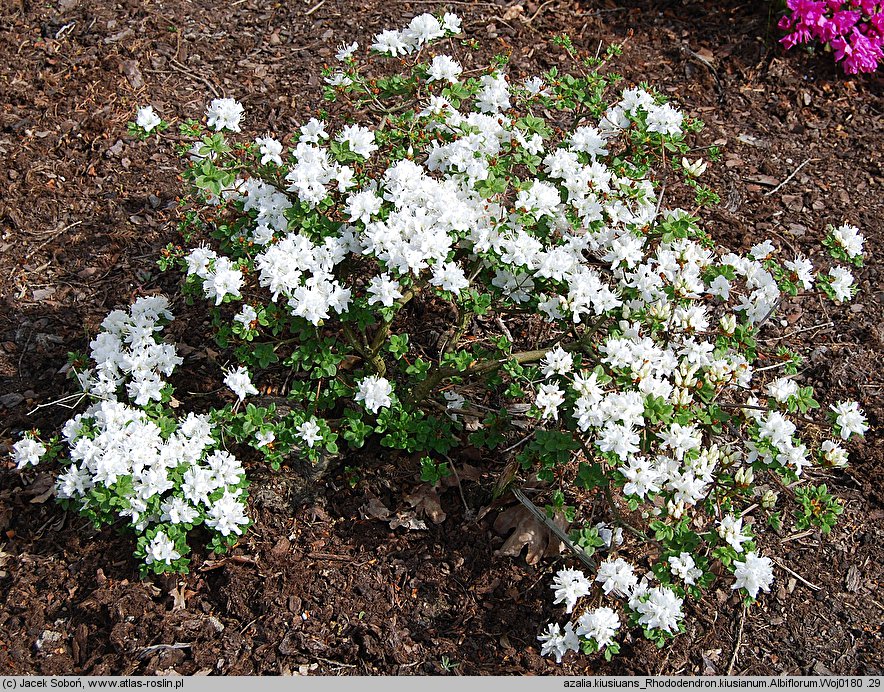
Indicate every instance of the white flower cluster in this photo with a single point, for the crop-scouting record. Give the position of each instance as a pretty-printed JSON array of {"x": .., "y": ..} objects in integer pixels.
[
  {"x": 850, "y": 239},
  {"x": 657, "y": 608},
  {"x": 27, "y": 452},
  {"x": 159, "y": 480},
  {"x": 224, "y": 113},
  {"x": 420, "y": 31},
  {"x": 841, "y": 282},
  {"x": 730, "y": 528},
  {"x": 374, "y": 393},
  {"x": 412, "y": 221},
  {"x": 753, "y": 574},
  {"x": 111, "y": 442},
  {"x": 240, "y": 382},
  {"x": 220, "y": 277},
  {"x": 126, "y": 353},
  {"x": 849, "y": 419},
  {"x": 672, "y": 364},
  {"x": 415, "y": 216},
  {"x": 161, "y": 549},
  {"x": 147, "y": 118},
  {"x": 776, "y": 431}
]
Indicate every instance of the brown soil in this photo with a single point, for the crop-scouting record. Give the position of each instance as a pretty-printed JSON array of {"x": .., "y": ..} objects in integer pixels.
[{"x": 318, "y": 585}]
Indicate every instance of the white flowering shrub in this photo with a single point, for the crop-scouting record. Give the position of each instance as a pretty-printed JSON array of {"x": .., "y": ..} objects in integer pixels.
[
  {"x": 436, "y": 193},
  {"x": 128, "y": 457}
]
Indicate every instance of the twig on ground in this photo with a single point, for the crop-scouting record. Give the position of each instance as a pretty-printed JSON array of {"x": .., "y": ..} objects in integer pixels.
[
  {"x": 804, "y": 581},
  {"x": 709, "y": 66},
  {"x": 65, "y": 29},
  {"x": 748, "y": 407},
  {"x": 504, "y": 329},
  {"x": 333, "y": 663},
  {"x": 791, "y": 175},
  {"x": 249, "y": 624},
  {"x": 178, "y": 67},
  {"x": 329, "y": 556},
  {"x": 660, "y": 199},
  {"x": 539, "y": 10},
  {"x": 800, "y": 331},
  {"x": 608, "y": 11},
  {"x": 543, "y": 575},
  {"x": 796, "y": 536},
  {"x": 733, "y": 661},
  {"x": 517, "y": 444},
  {"x": 148, "y": 650},
  {"x": 314, "y": 8},
  {"x": 749, "y": 509},
  {"x": 540, "y": 516},
  {"x": 60, "y": 402},
  {"x": 51, "y": 238},
  {"x": 459, "y": 488}
]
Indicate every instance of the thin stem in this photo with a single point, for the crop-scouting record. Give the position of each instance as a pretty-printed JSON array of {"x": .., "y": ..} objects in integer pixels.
[
  {"x": 463, "y": 322},
  {"x": 536, "y": 354},
  {"x": 363, "y": 349},
  {"x": 613, "y": 505},
  {"x": 381, "y": 336},
  {"x": 440, "y": 373},
  {"x": 745, "y": 406}
]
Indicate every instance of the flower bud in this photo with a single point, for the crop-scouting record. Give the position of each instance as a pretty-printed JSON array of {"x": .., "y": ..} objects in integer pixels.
[
  {"x": 728, "y": 324},
  {"x": 693, "y": 169},
  {"x": 730, "y": 455},
  {"x": 682, "y": 397},
  {"x": 676, "y": 509},
  {"x": 660, "y": 311},
  {"x": 769, "y": 499},
  {"x": 744, "y": 476}
]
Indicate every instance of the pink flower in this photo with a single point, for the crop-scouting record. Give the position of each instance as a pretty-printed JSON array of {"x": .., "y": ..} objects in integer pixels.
[
  {"x": 793, "y": 39},
  {"x": 859, "y": 54},
  {"x": 840, "y": 24},
  {"x": 853, "y": 28}
]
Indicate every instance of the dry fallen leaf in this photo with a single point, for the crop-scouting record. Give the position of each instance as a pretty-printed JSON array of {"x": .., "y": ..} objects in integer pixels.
[
  {"x": 761, "y": 179},
  {"x": 349, "y": 362},
  {"x": 468, "y": 472},
  {"x": 375, "y": 509},
  {"x": 854, "y": 579},
  {"x": 408, "y": 521},
  {"x": 529, "y": 533},
  {"x": 512, "y": 12},
  {"x": 180, "y": 594},
  {"x": 41, "y": 489},
  {"x": 465, "y": 472},
  {"x": 42, "y": 497},
  {"x": 425, "y": 500}
]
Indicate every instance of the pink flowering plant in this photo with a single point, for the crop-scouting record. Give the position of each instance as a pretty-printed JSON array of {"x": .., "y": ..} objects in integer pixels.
[
  {"x": 852, "y": 29},
  {"x": 527, "y": 218}
]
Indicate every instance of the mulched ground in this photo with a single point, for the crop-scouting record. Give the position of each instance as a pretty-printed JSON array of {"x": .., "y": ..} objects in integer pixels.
[{"x": 319, "y": 585}]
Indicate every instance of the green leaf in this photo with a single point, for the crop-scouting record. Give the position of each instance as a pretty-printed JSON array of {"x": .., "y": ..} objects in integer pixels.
[{"x": 590, "y": 476}]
